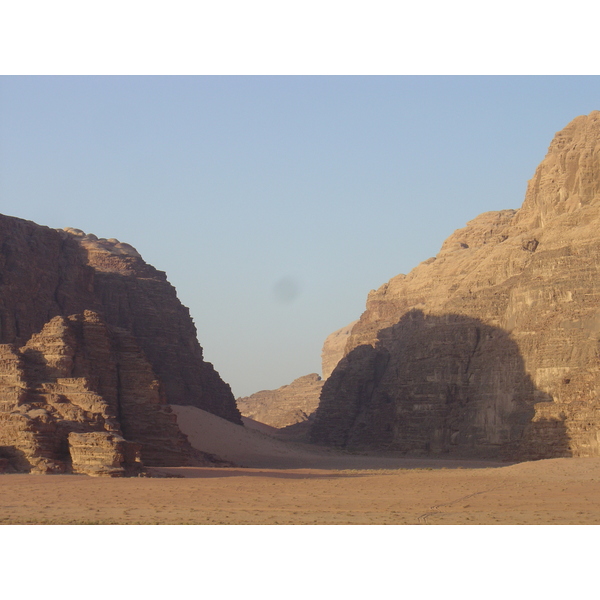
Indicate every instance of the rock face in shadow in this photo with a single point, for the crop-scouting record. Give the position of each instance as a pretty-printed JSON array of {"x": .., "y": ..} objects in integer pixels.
[
  {"x": 491, "y": 347},
  {"x": 138, "y": 298},
  {"x": 94, "y": 341},
  {"x": 430, "y": 384}
]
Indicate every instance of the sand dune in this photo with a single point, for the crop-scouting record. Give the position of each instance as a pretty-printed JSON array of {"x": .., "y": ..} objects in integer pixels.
[{"x": 252, "y": 446}]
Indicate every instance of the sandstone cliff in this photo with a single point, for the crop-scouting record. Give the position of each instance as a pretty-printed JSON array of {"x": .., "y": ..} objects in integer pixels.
[
  {"x": 334, "y": 348},
  {"x": 491, "y": 347},
  {"x": 287, "y": 405},
  {"x": 296, "y": 403},
  {"x": 93, "y": 346},
  {"x": 135, "y": 296}
]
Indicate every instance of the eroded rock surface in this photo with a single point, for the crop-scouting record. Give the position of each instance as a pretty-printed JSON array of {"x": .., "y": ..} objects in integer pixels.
[
  {"x": 296, "y": 403},
  {"x": 334, "y": 349},
  {"x": 491, "y": 347},
  {"x": 287, "y": 405},
  {"x": 79, "y": 377},
  {"x": 93, "y": 341},
  {"x": 137, "y": 297},
  {"x": 103, "y": 453}
]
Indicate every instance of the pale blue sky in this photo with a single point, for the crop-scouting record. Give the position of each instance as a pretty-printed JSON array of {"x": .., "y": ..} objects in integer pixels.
[{"x": 275, "y": 204}]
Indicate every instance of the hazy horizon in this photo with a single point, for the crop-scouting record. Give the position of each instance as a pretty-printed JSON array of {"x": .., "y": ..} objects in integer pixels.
[{"x": 275, "y": 203}]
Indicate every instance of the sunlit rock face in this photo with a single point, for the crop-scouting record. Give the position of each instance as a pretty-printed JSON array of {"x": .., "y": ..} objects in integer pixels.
[
  {"x": 297, "y": 402},
  {"x": 94, "y": 345},
  {"x": 81, "y": 396},
  {"x": 334, "y": 348},
  {"x": 491, "y": 348},
  {"x": 287, "y": 405}
]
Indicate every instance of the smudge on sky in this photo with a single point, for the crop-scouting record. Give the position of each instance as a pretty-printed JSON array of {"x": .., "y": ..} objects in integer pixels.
[{"x": 286, "y": 290}]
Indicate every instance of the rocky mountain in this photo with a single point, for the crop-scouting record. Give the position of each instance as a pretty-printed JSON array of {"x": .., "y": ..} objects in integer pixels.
[
  {"x": 94, "y": 346},
  {"x": 334, "y": 348},
  {"x": 297, "y": 402},
  {"x": 287, "y": 405},
  {"x": 490, "y": 348}
]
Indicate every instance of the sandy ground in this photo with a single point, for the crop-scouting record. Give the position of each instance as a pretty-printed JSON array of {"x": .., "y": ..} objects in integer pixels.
[
  {"x": 294, "y": 484},
  {"x": 559, "y": 491}
]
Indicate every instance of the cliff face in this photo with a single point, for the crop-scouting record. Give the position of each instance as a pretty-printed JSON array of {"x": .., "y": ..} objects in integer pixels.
[
  {"x": 297, "y": 402},
  {"x": 334, "y": 349},
  {"x": 94, "y": 345},
  {"x": 287, "y": 405},
  {"x": 491, "y": 347},
  {"x": 79, "y": 377},
  {"x": 136, "y": 297}
]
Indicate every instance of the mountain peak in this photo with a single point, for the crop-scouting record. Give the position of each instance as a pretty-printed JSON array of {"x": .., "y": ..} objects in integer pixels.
[{"x": 568, "y": 177}]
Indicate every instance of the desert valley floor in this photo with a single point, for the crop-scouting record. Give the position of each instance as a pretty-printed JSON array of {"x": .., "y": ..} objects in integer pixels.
[{"x": 291, "y": 483}]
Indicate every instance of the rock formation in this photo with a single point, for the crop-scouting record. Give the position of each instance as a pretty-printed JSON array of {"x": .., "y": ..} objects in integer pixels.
[
  {"x": 490, "y": 348},
  {"x": 137, "y": 297},
  {"x": 93, "y": 346},
  {"x": 333, "y": 349},
  {"x": 287, "y": 405},
  {"x": 296, "y": 403}
]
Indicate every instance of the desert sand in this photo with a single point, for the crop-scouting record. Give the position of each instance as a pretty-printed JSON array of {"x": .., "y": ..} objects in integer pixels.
[{"x": 290, "y": 483}]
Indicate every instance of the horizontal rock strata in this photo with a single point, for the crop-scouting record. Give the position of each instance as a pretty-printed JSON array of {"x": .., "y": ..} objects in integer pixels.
[
  {"x": 491, "y": 347},
  {"x": 287, "y": 405},
  {"x": 102, "y": 453},
  {"x": 334, "y": 349},
  {"x": 80, "y": 376},
  {"x": 294, "y": 405},
  {"x": 93, "y": 341}
]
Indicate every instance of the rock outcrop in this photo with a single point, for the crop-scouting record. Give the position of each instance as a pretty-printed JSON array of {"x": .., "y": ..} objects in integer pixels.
[
  {"x": 490, "y": 348},
  {"x": 94, "y": 345},
  {"x": 137, "y": 297},
  {"x": 287, "y": 405},
  {"x": 103, "y": 453},
  {"x": 296, "y": 403},
  {"x": 334, "y": 348},
  {"x": 80, "y": 396}
]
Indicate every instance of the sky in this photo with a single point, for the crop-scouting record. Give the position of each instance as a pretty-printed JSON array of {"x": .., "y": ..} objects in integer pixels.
[{"x": 275, "y": 203}]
